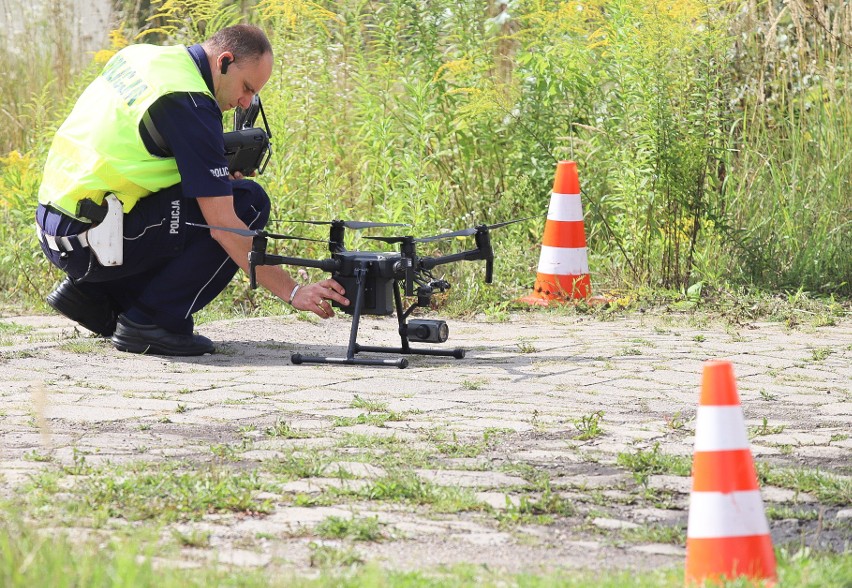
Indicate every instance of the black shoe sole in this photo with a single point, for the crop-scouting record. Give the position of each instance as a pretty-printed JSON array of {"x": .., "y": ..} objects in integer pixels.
[
  {"x": 152, "y": 340},
  {"x": 96, "y": 315},
  {"x": 149, "y": 349}
]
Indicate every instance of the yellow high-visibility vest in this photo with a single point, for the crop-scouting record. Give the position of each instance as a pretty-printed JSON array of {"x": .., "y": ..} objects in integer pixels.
[{"x": 98, "y": 149}]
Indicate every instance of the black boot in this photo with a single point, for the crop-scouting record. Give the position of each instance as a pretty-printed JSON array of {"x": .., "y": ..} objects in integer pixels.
[
  {"x": 151, "y": 339},
  {"x": 96, "y": 312}
]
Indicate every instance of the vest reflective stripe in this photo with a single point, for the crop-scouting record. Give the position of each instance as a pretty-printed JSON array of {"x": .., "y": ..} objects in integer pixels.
[{"x": 98, "y": 149}]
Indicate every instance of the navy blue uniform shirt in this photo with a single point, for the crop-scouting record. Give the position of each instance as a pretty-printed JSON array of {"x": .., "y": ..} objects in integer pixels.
[{"x": 191, "y": 125}]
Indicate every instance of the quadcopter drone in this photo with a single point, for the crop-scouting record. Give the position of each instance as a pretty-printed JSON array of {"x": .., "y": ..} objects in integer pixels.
[{"x": 378, "y": 281}]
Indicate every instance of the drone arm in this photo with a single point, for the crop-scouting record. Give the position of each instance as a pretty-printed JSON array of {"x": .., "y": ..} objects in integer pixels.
[
  {"x": 428, "y": 263},
  {"x": 483, "y": 245},
  {"x": 483, "y": 251},
  {"x": 326, "y": 265},
  {"x": 257, "y": 258}
]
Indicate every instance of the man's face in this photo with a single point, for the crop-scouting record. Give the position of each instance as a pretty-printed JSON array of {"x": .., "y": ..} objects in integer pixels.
[{"x": 242, "y": 81}]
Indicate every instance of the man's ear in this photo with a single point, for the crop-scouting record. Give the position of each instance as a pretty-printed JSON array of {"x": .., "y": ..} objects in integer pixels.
[{"x": 227, "y": 59}]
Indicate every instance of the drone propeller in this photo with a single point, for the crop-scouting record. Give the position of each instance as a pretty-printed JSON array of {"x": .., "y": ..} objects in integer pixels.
[
  {"x": 355, "y": 225},
  {"x": 470, "y": 231},
  {"x": 256, "y": 233},
  {"x": 392, "y": 239}
]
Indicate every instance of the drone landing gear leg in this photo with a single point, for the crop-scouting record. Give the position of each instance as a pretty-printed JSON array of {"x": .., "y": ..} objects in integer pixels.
[
  {"x": 350, "y": 359},
  {"x": 406, "y": 349}
]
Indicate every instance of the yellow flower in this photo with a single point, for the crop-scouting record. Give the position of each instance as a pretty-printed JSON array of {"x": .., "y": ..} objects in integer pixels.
[{"x": 455, "y": 67}]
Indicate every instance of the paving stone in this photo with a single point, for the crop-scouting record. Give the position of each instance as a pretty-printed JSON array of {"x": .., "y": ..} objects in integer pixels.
[
  {"x": 317, "y": 485},
  {"x": 618, "y": 496},
  {"x": 261, "y": 455},
  {"x": 759, "y": 450},
  {"x": 391, "y": 429},
  {"x": 356, "y": 469},
  {"x": 585, "y": 545},
  {"x": 412, "y": 529},
  {"x": 423, "y": 404},
  {"x": 163, "y": 563},
  {"x": 287, "y": 446},
  {"x": 295, "y": 516},
  {"x": 824, "y": 452},
  {"x": 544, "y": 455},
  {"x": 651, "y": 515},
  {"x": 318, "y": 394},
  {"x": 679, "y": 484},
  {"x": 775, "y": 494},
  {"x": 342, "y": 412},
  {"x": 660, "y": 549},
  {"x": 498, "y": 500},
  {"x": 91, "y": 414},
  {"x": 610, "y": 447},
  {"x": 591, "y": 481},
  {"x": 241, "y": 558},
  {"x": 308, "y": 424},
  {"x": 225, "y": 413},
  {"x": 603, "y": 523},
  {"x": 485, "y": 539},
  {"x": 640, "y": 434},
  {"x": 837, "y": 409},
  {"x": 147, "y": 404},
  {"x": 214, "y": 396},
  {"x": 481, "y": 424},
  {"x": 468, "y": 479}
]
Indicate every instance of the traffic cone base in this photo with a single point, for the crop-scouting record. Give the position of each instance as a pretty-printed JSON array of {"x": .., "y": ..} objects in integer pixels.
[
  {"x": 552, "y": 287},
  {"x": 730, "y": 557}
]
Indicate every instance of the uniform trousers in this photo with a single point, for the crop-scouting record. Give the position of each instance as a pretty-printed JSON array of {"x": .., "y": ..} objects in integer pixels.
[{"x": 170, "y": 270}]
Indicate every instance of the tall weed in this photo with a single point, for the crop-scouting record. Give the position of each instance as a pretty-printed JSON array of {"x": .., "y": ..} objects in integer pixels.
[{"x": 710, "y": 135}]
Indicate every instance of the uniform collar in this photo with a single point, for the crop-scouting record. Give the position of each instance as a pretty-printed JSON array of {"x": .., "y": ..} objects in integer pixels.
[{"x": 200, "y": 57}]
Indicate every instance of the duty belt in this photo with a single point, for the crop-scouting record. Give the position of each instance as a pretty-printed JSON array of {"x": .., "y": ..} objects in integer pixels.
[{"x": 63, "y": 243}]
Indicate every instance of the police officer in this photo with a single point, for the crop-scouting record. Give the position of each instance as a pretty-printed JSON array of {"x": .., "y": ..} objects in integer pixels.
[{"x": 139, "y": 160}]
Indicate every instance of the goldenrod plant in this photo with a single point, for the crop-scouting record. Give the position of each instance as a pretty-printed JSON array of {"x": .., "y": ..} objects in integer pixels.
[{"x": 710, "y": 135}]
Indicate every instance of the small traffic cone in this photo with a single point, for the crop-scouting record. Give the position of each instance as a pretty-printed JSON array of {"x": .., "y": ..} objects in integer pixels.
[
  {"x": 727, "y": 535},
  {"x": 563, "y": 266}
]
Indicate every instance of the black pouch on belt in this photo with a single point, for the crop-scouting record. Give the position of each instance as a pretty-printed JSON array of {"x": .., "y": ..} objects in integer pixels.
[{"x": 94, "y": 212}]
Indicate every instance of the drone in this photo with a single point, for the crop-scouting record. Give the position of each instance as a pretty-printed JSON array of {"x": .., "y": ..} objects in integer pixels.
[{"x": 378, "y": 280}]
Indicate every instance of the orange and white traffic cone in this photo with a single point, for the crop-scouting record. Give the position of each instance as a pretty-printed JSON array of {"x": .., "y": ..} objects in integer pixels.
[
  {"x": 727, "y": 535},
  {"x": 563, "y": 266}
]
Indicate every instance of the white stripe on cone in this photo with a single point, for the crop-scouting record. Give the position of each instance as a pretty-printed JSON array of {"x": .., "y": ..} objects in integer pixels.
[
  {"x": 565, "y": 207},
  {"x": 720, "y": 428},
  {"x": 563, "y": 261},
  {"x": 736, "y": 514}
]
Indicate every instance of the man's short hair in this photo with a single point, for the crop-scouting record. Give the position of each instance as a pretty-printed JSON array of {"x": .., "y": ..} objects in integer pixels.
[{"x": 246, "y": 42}]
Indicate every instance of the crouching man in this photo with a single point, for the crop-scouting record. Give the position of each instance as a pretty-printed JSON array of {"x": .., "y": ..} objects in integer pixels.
[{"x": 141, "y": 159}]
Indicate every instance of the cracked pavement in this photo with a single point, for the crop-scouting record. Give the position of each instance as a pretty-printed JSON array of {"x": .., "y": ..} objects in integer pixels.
[{"x": 530, "y": 386}]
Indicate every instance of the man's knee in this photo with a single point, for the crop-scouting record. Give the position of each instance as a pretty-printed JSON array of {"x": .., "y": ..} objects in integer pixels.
[{"x": 251, "y": 203}]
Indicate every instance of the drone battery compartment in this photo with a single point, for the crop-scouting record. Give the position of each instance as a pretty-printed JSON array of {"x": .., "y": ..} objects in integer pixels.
[{"x": 378, "y": 294}]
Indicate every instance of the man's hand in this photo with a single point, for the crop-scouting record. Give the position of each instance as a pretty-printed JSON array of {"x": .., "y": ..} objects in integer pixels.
[
  {"x": 316, "y": 298},
  {"x": 218, "y": 211}
]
